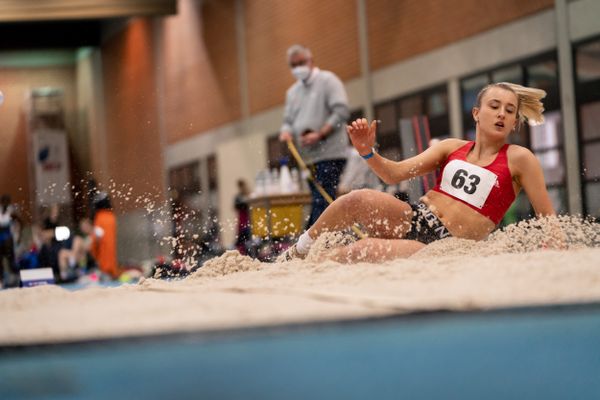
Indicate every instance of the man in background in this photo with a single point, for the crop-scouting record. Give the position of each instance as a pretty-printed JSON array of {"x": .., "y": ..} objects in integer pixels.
[
  {"x": 243, "y": 212},
  {"x": 8, "y": 219},
  {"x": 316, "y": 112}
]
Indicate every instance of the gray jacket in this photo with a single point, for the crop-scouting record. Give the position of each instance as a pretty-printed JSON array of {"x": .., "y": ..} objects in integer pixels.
[{"x": 309, "y": 106}]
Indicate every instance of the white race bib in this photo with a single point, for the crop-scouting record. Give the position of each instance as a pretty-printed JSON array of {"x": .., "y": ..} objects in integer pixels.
[{"x": 468, "y": 182}]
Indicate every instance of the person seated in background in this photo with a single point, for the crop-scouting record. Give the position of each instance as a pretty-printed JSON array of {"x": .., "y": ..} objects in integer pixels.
[
  {"x": 77, "y": 260},
  {"x": 243, "y": 211},
  {"x": 103, "y": 235},
  {"x": 8, "y": 217},
  {"x": 49, "y": 245},
  {"x": 209, "y": 240},
  {"x": 29, "y": 255}
]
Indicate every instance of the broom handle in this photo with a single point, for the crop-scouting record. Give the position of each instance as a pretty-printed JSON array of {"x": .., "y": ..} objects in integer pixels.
[{"x": 320, "y": 189}]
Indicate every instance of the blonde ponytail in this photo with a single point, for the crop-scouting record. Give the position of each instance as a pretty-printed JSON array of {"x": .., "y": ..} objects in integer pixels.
[{"x": 530, "y": 107}]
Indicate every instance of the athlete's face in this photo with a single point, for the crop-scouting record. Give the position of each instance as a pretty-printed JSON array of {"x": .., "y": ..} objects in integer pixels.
[{"x": 498, "y": 111}]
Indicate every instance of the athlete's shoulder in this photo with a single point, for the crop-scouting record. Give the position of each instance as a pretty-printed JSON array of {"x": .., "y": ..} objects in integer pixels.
[
  {"x": 442, "y": 149},
  {"x": 452, "y": 144},
  {"x": 520, "y": 157},
  {"x": 519, "y": 153}
]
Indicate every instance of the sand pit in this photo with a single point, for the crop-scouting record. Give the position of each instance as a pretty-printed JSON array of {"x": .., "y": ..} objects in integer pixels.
[{"x": 234, "y": 291}]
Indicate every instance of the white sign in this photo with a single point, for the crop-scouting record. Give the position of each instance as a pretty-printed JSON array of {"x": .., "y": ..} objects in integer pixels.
[
  {"x": 51, "y": 158},
  {"x": 468, "y": 182},
  {"x": 36, "y": 277}
]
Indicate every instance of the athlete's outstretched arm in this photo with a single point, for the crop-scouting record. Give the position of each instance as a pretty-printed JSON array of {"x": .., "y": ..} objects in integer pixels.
[
  {"x": 529, "y": 174},
  {"x": 362, "y": 134}
]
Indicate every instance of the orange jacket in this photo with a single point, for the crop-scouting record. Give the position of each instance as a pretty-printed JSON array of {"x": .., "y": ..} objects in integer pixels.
[{"x": 104, "y": 246}]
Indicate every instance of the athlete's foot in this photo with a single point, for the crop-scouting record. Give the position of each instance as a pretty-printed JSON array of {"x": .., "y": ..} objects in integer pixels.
[{"x": 290, "y": 254}]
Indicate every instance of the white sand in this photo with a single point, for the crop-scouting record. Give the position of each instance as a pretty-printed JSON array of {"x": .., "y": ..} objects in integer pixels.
[{"x": 235, "y": 291}]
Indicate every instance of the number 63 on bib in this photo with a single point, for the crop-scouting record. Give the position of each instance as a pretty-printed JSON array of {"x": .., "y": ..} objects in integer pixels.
[{"x": 468, "y": 182}]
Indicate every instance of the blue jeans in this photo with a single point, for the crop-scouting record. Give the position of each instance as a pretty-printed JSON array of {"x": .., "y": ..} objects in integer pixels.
[{"x": 327, "y": 174}]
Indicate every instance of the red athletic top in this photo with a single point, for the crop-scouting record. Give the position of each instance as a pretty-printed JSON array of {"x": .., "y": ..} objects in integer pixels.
[{"x": 465, "y": 180}]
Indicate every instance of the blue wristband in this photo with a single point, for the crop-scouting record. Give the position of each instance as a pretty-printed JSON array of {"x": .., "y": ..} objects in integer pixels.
[{"x": 367, "y": 156}]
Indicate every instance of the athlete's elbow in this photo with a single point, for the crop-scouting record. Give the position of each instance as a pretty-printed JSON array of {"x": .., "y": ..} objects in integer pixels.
[{"x": 389, "y": 179}]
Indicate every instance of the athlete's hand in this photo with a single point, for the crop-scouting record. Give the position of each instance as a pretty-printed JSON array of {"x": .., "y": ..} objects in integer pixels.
[
  {"x": 362, "y": 135},
  {"x": 556, "y": 238}
]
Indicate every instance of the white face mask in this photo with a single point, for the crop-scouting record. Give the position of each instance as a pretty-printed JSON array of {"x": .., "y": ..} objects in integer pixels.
[{"x": 301, "y": 72}]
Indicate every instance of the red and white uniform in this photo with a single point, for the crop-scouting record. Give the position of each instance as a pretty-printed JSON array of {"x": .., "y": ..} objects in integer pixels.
[{"x": 488, "y": 190}]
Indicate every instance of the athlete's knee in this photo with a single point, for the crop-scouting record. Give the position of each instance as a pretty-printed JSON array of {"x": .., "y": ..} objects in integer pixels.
[{"x": 357, "y": 198}]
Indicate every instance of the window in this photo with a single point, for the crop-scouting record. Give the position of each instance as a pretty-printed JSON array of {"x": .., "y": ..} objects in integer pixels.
[
  {"x": 397, "y": 115},
  {"x": 184, "y": 182},
  {"x": 587, "y": 59},
  {"x": 589, "y": 115},
  {"x": 211, "y": 164},
  {"x": 470, "y": 88},
  {"x": 355, "y": 114},
  {"x": 278, "y": 151},
  {"x": 408, "y": 123},
  {"x": 544, "y": 75},
  {"x": 546, "y": 141},
  {"x": 387, "y": 130},
  {"x": 437, "y": 104},
  {"x": 411, "y": 106},
  {"x": 513, "y": 74},
  {"x": 185, "y": 179},
  {"x": 588, "y": 62},
  {"x": 436, "y": 109}
]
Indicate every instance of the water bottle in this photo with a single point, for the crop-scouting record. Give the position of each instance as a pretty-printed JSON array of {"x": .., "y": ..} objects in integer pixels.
[
  {"x": 296, "y": 183},
  {"x": 260, "y": 184},
  {"x": 274, "y": 184},
  {"x": 266, "y": 182},
  {"x": 304, "y": 177},
  {"x": 257, "y": 183},
  {"x": 285, "y": 178}
]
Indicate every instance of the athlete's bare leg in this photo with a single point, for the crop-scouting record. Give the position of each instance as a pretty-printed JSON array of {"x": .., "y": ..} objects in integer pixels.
[
  {"x": 374, "y": 250},
  {"x": 380, "y": 214}
]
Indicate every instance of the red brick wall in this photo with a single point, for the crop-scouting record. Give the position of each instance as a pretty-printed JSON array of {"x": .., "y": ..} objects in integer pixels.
[
  {"x": 132, "y": 133},
  {"x": 219, "y": 32},
  {"x": 200, "y": 68},
  {"x": 400, "y": 29},
  {"x": 329, "y": 28},
  {"x": 200, "y": 59}
]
